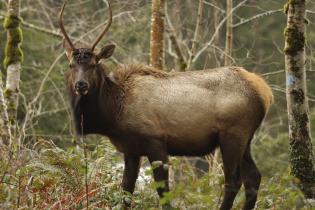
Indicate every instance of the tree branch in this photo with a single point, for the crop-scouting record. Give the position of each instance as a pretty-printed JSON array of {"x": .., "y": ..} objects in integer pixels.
[{"x": 209, "y": 43}]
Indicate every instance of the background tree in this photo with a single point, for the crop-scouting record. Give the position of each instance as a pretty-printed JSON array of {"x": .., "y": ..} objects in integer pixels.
[
  {"x": 180, "y": 60},
  {"x": 229, "y": 33},
  {"x": 4, "y": 120},
  {"x": 157, "y": 34},
  {"x": 301, "y": 150},
  {"x": 196, "y": 34},
  {"x": 13, "y": 58}
]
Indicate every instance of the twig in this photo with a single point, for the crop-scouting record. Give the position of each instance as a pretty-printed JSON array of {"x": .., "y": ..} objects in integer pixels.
[
  {"x": 217, "y": 31},
  {"x": 223, "y": 52},
  {"x": 40, "y": 89},
  {"x": 196, "y": 34},
  {"x": 215, "y": 6},
  {"x": 229, "y": 34},
  {"x": 256, "y": 17},
  {"x": 48, "y": 17},
  {"x": 174, "y": 40},
  {"x": 19, "y": 193},
  {"x": 41, "y": 29},
  {"x": 86, "y": 165},
  {"x": 271, "y": 73}
]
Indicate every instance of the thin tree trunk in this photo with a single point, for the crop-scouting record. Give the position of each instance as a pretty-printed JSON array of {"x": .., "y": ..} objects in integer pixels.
[
  {"x": 4, "y": 120},
  {"x": 181, "y": 63},
  {"x": 196, "y": 34},
  {"x": 229, "y": 34},
  {"x": 216, "y": 41},
  {"x": 301, "y": 154},
  {"x": 215, "y": 158},
  {"x": 13, "y": 59},
  {"x": 157, "y": 34}
]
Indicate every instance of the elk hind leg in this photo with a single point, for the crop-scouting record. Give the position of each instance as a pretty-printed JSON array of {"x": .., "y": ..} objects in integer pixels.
[
  {"x": 232, "y": 150},
  {"x": 251, "y": 178}
]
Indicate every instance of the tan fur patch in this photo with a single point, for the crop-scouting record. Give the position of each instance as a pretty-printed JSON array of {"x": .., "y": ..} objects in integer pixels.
[
  {"x": 123, "y": 73},
  {"x": 259, "y": 84}
]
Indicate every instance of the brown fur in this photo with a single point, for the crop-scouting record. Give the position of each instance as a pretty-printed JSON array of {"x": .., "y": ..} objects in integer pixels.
[
  {"x": 259, "y": 85},
  {"x": 125, "y": 72},
  {"x": 147, "y": 112}
]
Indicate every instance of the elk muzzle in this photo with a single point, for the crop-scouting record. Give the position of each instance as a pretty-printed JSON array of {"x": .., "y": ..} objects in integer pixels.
[{"x": 81, "y": 87}]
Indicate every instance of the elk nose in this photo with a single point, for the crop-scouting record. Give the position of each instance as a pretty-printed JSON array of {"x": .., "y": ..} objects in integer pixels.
[{"x": 81, "y": 87}]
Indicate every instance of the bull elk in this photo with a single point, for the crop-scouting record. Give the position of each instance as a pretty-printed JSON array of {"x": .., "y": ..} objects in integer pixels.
[{"x": 147, "y": 112}]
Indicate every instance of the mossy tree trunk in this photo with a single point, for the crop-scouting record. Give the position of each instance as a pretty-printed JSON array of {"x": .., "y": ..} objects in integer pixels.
[
  {"x": 301, "y": 154},
  {"x": 229, "y": 34},
  {"x": 157, "y": 34},
  {"x": 13, "y": 59}
]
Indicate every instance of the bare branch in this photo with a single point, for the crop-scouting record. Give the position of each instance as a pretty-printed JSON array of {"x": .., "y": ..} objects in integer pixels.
[
  {"x": 209, "y": 43},
  {"x": 256, "y": 17},
  {"x": 196, "y": 34},
  {"x": 174, "y": 40}
]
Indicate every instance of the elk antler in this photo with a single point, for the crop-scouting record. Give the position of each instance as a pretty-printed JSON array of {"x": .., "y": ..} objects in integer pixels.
[
  {"x": 62, "y": 28},
  {"x": 106, "y": 28}
]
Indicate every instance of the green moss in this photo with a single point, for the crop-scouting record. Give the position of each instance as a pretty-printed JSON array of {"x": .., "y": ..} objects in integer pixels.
[
  {"x": 11, "y": 21},
  {"x": 291, "y": 2},
  {"x": 298, "y": 95},
  {"x": 13, "y": 51},
  {"x": 301, "y": 151},
  {"x": 301, "y": 164},
  {"x": 7, "y": 93},
  {"x": 295, "y": 41},
  {"x": 286, "y": 8},
  {"x": 287, "y": 5},
  {"x": 11, "y": 106}
]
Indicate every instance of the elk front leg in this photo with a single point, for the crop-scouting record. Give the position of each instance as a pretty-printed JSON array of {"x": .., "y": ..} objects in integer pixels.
[
  {"x": 158, "y": 154},
  {"x": 131, "y": 171}
]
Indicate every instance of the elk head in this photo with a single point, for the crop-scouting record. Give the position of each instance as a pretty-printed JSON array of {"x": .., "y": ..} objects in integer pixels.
[{"x": 83, "y": 61}]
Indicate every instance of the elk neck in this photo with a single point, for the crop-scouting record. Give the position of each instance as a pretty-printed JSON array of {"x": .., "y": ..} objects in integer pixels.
[{"x": 100, "y": 109}]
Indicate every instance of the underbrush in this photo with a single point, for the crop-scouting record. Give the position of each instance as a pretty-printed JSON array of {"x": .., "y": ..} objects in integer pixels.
[{"x": 48, "y": 177}]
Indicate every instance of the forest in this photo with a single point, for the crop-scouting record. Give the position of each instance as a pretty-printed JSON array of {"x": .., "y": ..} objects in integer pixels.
[{"x": 47, "y": 161}]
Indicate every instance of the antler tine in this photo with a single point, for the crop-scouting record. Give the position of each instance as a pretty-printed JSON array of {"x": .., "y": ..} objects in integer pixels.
[
  {"x": 106, "y": 28},
  {"x": 62, "y": 28}
]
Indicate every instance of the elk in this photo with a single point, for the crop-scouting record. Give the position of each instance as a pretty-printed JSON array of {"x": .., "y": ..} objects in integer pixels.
[{"x": 152, "y": 113}]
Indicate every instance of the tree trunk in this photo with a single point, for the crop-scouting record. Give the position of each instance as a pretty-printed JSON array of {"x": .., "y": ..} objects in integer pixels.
[
  {"x": 229, "y": 34},
  {"x": 157, "y": 34},
  {"x": 180, "y": 62},
  {"x": 13, "y": 59},
  {"x": 216, "y": 41},
  {"x": 196, "y": 34},
  {"x": 4, "y": 120},
  {"x": 301, "y": 154}
]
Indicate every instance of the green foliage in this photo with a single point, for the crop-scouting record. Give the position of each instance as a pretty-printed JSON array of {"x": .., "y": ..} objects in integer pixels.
[
  {"x": 280, "y": 192},
  {"x": 275, "y": 157},
  {"x": 51, "y": 175}
]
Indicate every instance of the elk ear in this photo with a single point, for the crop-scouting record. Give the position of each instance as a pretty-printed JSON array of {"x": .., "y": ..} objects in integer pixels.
[
  {"x": 67, "y": 48},
  {"x": 105, "y": 52}
]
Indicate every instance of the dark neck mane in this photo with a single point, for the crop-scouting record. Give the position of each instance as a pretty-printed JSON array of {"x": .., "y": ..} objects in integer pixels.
[{"x": 99, "y": 109}]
